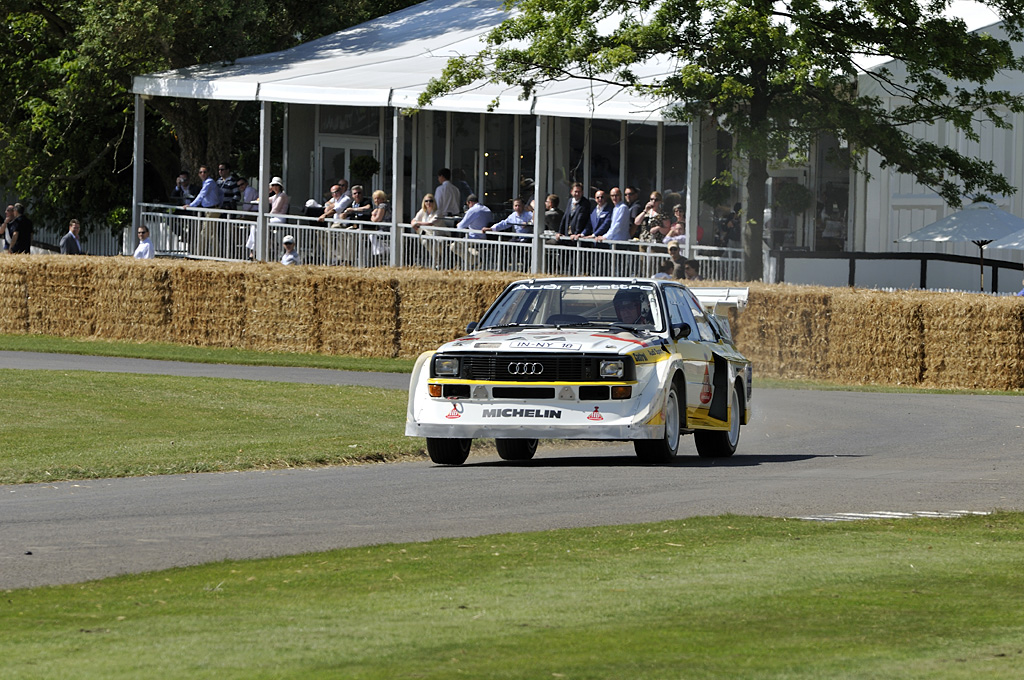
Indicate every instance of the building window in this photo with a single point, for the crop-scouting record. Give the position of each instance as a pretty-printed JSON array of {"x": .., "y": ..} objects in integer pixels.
[
  {"x": 350, "y": 120},
  {"x": 605, "y": 154},
  {"x": 499, "y": 157},
  {"x": 568, "y": 138},
  {"x": 642, "y": 157},
  {"x": 465, "y": 143},
  {"x": 527, "y": 156}
]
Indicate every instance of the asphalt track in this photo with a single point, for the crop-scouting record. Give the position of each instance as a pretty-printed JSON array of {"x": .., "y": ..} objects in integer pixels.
[{"x": 807, "y": 453}]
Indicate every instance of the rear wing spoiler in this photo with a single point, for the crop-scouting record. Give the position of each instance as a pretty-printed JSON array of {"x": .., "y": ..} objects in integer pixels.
[{"x": 717, "y": 301}]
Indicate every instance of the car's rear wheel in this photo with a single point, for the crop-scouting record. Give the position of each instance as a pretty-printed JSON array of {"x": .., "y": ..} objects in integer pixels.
[
  {"x": 516, "y": 449},
  {"x": 665, "y": 449},
  {"x": 448, "y": 451},
  {"x": 722, "y": 444}
]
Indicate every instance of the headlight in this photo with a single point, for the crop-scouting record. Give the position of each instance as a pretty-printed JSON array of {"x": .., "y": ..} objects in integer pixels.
[
  {"x": 613, "y": 369},
  {"x": 446, "y": 366}
]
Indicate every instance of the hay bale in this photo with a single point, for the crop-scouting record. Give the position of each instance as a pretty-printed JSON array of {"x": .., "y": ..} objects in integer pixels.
[
  {"x": 131, "y": 299},
  {"x": 14, "y": 294},
  {"x": 876, "y": 337},
  {"x": 973, "y": 341},
  {"x": 434, "y": 307},
  {"x": 358, "y": 311},
  {"x": 60, "y": 295},
  {"x": 280, "y": 309},
  {"x": 208, "y": 303},
  {"x": 783, "y": 330}
]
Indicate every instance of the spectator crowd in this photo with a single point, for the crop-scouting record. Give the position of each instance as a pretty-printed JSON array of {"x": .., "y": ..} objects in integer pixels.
[{"x": 616, "y": 217}]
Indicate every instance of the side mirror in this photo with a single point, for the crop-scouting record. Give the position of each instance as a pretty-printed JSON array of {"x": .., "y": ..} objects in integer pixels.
[
  {"x": 681, "y": 331},
  {"x": 471, "y": 326}
]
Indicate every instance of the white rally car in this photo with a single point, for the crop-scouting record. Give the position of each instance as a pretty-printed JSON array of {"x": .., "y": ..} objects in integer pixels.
[{"x": 587, "y": 358}]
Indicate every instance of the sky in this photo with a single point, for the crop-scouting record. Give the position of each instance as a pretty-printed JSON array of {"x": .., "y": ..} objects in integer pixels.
[{"x": 974, "y": 14}]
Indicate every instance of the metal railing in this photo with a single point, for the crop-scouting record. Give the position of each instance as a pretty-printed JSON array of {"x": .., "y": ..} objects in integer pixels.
[{"x": 223, "y": 235}]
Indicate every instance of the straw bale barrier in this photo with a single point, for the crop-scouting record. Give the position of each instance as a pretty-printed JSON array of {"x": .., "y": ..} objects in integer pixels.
[
  {"x": 437, "y": 306},
  {"x": 274, "y": 308},
  {"x": 208, "y": 304},
  {"x": 876, "y": 337},
  {"x": 357, "y": 311},
  {"x": 910, "y": 338},
  {"x": 59, "y": 302},
  {"x": 131, "y": 299},
  {"x": 974, "y": 341},
  {"x": 14, "y": 293},
  {"x": 783, "y": 329}
]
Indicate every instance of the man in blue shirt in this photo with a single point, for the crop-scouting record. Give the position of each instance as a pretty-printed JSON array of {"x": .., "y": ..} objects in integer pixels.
[
  {"x": 600, "y": 216},
  {"x": 521, "y": 220},
  {"x": 476, "y": 218},
  {"x": 618, "y": 229},
  {"x": 210, "y": 195}
]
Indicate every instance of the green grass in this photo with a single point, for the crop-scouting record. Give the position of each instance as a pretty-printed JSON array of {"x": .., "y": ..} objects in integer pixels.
[
  {"x": 726, "y": 597},
  {"x": 205, "y": 355},
  {"x": 80, "y": 424}
]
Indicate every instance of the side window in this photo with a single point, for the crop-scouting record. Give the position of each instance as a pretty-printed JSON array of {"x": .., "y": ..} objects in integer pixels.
[
  {"x": 707, "y": 334},
  {"x": 679, "y": 311}
]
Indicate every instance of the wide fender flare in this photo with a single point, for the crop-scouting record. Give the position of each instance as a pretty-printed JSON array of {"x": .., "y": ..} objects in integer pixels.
[
  {"x": 737, "y": 371},
  {"x": 666, "y": 371},
  {"x": 418, "y": 382}
]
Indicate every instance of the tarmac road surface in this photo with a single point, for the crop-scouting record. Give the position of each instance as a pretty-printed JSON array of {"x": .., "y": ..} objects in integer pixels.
[{"x": 806, "y": 453}]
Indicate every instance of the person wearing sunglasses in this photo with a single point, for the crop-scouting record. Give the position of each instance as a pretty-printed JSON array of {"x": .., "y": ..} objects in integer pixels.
[
  {"x": 424, "y": 222},
  {"x": 144, "y": 251}
]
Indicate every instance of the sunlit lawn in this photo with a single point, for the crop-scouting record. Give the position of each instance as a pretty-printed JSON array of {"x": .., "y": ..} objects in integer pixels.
[
  {"x": 80, "y": 424},
  {"x": 726, "y": 597}
]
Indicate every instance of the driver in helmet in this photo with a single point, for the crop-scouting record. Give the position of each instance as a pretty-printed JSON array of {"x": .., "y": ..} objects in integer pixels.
[{"x": 631, "y": 306}]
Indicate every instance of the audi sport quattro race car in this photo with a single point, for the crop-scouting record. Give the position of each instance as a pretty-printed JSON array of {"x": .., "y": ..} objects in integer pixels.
[{"x": 642, "y": 360}]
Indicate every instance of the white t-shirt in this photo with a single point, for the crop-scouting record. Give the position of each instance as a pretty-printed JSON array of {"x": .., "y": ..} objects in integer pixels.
[{"x": 144, "y": 251}]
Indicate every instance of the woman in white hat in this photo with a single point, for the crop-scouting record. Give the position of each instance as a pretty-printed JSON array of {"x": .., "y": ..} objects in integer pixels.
[{"x": 278, "y": 200}]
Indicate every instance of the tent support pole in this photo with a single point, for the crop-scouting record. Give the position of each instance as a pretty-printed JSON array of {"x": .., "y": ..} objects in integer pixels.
[
  {"x": 138, "y": 165},
  {"x": 262, "y": 251}
]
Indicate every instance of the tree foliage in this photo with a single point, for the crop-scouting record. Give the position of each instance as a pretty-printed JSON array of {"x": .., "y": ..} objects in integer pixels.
[
  {"x": 66, "y": 130},
  {"x": 775, "y": 74}
]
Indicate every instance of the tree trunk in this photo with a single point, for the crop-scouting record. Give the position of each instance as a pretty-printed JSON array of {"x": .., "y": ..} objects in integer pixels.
[
  {"x": 753, "y": 232},
  {"x": 204, "y": 131}
]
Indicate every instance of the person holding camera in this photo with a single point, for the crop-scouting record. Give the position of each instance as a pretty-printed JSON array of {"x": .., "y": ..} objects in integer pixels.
[{"x": 183, "y": 192}]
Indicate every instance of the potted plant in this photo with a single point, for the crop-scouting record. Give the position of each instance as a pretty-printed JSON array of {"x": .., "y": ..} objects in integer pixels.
[
  {"x": 792, "y": 198},
  {"x": 363, "y": 168}
]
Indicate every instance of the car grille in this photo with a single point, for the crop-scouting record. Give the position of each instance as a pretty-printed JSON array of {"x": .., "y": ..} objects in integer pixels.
[{"x": 531, "y": 367}]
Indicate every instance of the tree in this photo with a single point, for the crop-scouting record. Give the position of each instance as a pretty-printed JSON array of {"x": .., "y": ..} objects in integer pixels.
[
  {"x": 66, "y": 130},
  {"x": 774, "y": 74}
]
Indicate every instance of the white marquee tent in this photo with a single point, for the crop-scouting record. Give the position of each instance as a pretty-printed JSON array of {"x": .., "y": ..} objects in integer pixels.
[{"x": 389, "y": 61}]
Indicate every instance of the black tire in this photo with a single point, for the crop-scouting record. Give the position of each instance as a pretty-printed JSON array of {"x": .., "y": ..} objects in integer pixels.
[
  {"x": 516, "y": 449},
  {"x": 715, "y": 444},
  {"x": 663, "y": 450},
  {"x": 448, "y": 451}
]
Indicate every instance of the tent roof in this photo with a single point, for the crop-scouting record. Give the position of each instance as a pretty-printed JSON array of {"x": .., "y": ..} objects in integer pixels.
[{"x": 389, "y": 61}]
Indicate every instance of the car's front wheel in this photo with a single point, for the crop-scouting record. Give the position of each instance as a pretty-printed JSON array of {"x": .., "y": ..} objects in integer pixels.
[
  {"x": 516, "y": 449},
  {"x": 448, "y": 451},
  {"x": 719, "y": 444},
  {"x": 665, "y": 449}
]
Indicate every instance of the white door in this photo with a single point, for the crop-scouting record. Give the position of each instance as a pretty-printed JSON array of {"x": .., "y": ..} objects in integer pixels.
[{"x": 334, "y": 158}]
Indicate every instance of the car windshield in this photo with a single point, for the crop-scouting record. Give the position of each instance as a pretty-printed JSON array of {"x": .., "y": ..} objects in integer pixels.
[{"x": 577, "y": 303}]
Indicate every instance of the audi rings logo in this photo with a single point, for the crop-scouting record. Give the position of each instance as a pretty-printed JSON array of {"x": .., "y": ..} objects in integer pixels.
[{"x": 525, "y": 368}]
